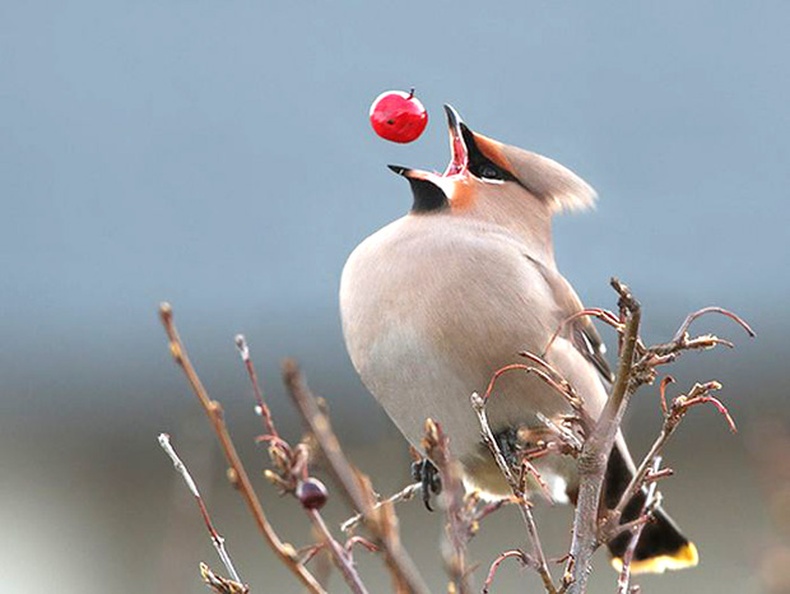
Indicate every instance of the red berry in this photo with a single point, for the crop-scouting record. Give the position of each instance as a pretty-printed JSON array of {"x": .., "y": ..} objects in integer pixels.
[
  {"x": 311, "y": 493},
  {"x": 398, "y": 116}
]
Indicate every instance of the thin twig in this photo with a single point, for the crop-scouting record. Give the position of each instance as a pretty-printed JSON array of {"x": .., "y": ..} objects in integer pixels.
[
  {"x": 478, "y": 404},
  {"x": 549, "y": 376},
  {"x": 457, "y": 531},
  {"x": 237, "y": 473},
  {"x": 601, "y": 314},
  {"x": 217, "y": 540},
  {"x": 361, "y": 541},
  {"x": 624, "y": 579},
  {"x": 706, "y": 310},
  {"x": 404, "y": 494},
  {"x": 516, "y": 554},
  {"x": 699, "y": 394},
  {"x": 340, "y": 556},
  {"x": 219, "y": 584},
  {"x": 376, "y": 519},
  {"x": 261, "y": 408}
]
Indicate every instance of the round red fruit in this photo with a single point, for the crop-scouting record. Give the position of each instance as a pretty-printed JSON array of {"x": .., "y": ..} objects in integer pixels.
[{"x": 398, "y": 116}]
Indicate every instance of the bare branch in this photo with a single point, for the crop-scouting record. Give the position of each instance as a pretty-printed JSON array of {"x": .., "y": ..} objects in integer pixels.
[
  {"x": 595, "y": 454},
  {"x": 520, "y": 556},
  {"x": 706, "y": 310},
  {"x": 340, "y": 555},
  {"x": 404, "y": 494},
  {"x": 624, "y": 579},
  {"x": 216, "y": 539},
  {"x": 219, "y": 584},
  {"x": 596, "y": 312},
  {"x": 699, "y": 394},
  {"x": 261, "y": 408},
  {"x": 478, "y": 404},
  {"x": 378, "y": 520},
  {"x": 457, "y": 530},
  {"x": 237, "y": 473}
]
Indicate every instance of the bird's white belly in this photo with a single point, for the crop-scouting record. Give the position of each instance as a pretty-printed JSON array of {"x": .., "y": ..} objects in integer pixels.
[{"x": 423, "y": 339}]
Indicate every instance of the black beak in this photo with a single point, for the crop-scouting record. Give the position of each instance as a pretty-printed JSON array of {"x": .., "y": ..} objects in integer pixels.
[{"x": 400, "y": 170}]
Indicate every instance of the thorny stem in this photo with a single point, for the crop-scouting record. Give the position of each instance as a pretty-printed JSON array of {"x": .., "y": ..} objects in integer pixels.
[
  {"x": 217, "y": 540},
  {"x": 385, "y": 534},
  {"x": 594, "y": 456},
  {"x": 478, "y": 404},
  {"x": 237, "y": 473}
]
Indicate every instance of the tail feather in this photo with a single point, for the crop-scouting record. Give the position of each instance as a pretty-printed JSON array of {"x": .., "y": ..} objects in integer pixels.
[{"x": 661, "y": 546}]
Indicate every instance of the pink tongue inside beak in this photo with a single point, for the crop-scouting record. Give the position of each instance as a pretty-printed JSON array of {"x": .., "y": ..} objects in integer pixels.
[{"x": 459, "y": 158}]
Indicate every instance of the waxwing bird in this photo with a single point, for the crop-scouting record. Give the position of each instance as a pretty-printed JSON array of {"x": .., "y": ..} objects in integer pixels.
[{"x": 435, "y": 302}]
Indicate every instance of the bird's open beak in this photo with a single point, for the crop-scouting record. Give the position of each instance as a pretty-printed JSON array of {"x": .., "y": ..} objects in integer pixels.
[{"x": 459, "y": 155}]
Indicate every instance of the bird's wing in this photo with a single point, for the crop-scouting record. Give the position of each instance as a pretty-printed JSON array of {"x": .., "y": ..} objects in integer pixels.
[{"x": 581, "y": 331}]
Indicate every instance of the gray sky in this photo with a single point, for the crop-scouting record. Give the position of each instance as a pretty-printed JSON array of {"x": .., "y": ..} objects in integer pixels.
[{"x": 218, "y": 155}]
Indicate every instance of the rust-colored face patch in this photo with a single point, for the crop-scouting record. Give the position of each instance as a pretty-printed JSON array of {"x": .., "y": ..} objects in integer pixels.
[{"x": 465, "y": 192}]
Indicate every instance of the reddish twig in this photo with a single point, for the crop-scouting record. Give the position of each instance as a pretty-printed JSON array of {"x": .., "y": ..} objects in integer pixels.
[
  {"x": 457, "y": 530},
  {"x": 624, "y": 579},
  {"x": 596, "y": 312},
  {"x": 340, "y": 556},
  {"x": 548, "y": 374},
  {"x": 528, "y": 469},
  {"x": 520, "y": 556},
  {"x": 699, "y": 394},
  {"x": 378, "y": 520},
  {"x": 361, "y": 541},
  {"x": 707, "y": 310},
  {"x": 662, "y": 389},
  {"x": 541, "y": 566},
  {"x": 307, "y": 553},
  {"x": 261, "y": 408}
]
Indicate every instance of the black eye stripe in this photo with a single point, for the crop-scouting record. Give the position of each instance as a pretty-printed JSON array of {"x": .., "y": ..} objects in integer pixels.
[
  {"x": 488, "y": 171},
  {"x": 481, "y": 166}
]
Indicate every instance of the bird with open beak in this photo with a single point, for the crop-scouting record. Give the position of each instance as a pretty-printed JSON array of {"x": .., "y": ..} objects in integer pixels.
[{"x": 437, "y": 301}]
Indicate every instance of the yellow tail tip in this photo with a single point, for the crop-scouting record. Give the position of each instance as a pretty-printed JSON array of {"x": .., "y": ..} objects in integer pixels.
[{"x": 685, "y": 556}]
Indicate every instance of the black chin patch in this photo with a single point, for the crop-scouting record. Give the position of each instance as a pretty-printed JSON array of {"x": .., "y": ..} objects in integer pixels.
[{"x": 428, "y": 197}]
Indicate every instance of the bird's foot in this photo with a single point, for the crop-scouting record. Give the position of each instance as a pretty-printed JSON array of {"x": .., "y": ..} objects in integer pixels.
[
  {"x": 427, "y": 474},
  {"x": 511, "y": 445}
]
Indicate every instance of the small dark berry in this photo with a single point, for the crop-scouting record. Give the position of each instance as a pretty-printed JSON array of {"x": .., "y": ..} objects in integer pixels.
[{"x": 312, "y": 493}]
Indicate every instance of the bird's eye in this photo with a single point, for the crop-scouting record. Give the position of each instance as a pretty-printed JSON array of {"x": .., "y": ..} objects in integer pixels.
[{"x": 489, "y": 172}]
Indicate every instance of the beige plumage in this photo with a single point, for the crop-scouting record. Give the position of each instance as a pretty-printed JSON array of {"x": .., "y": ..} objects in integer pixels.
[{"x": 435, "y": 302}]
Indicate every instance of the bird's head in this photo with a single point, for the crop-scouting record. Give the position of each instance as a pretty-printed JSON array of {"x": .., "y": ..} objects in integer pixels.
[{"x": 491, "y": 180}]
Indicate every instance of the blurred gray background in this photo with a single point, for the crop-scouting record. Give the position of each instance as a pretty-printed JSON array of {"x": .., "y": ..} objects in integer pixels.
[{"x": 218, "y": 155}]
